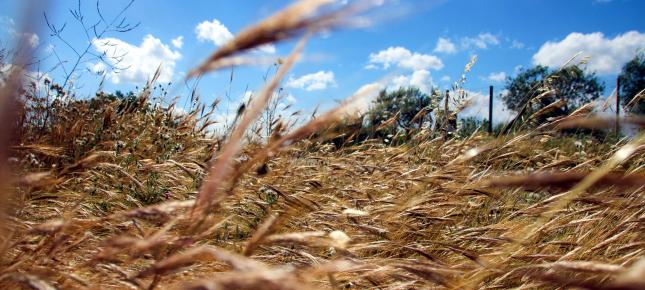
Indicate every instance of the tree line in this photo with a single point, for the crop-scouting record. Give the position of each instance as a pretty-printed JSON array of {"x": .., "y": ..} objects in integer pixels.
[{"x": 531, "y": 90}]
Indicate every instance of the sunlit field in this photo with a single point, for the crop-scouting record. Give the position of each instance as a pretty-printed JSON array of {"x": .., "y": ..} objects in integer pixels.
[{"x": 392, "y": 186}]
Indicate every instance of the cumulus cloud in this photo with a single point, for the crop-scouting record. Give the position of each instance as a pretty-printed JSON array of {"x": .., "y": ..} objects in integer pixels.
[
  {"x": 29, "y": 77},
  {"x": 98, "y": 68},
  {"x": 404, "y": 58},
  {"x": 9, "y": 25},
  {"x": 216, "y": 32},
  {"x": 32, "y": 39},
  {"x": 607, "y": 54},
  {"x": 312, "y": 82},
  {"x": 370, "y": 66},
  {"x": 226, "y": 113},
  {"x": 178, "y": 42},
  {"x": 290, "y": 99},
  {"x": 213, "y": 31},
  {"x": 518, "y": 69},
  {"x": 140, "y": 62},
  {"x": 27, "y": 37},
  {"x": 444, "y": 45},
  {"x": 7, "y": 21},
  {"x": 420, "y": 79},
  {"x": 481, "y": 41},
  {"x": 497, "y": 77},
  {"x": 366, "y": 95},
  {"x": 516, "y": 44},
  {"x": 479, "y": 108}
]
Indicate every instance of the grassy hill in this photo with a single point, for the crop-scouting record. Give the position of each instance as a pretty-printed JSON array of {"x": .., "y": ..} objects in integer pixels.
[{"x": 120, "y": 192}]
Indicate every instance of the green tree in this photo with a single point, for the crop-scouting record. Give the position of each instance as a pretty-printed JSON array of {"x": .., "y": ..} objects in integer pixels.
[
  {"x": 632, "y": 81},
  {"x": 469, "y": 125},
  {"x": 405, "y": 104},
  {"x": 571, "y": 84}
]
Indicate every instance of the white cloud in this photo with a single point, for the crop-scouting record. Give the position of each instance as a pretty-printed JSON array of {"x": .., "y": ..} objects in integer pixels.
[
  {"x": 366, "y": 95},
  {"x": 445, "y": 79},
  {"x": 246, "y": 97},
  {"x": 290, "y": 99},
  {"x": 26, "y": 37},
  {"x": 404, "y": 58},
  {"x": 49, "y": 48},
  {"x": 478, "y": 108},
  {"x": 497, "y": 77},
  {"x": 139, "y": 62},
  {"x": 227, "y": 111},
  {"x": 369, "y": 89},
  {"x": 98, "y": 68},
  {"x": 213, "y": 31},
  {"x": 180, "y": 111},
  {"x": 515, "y": 44},
  {"x": 29, "y": 77},
  {"x": 7, "y": 21},
  {"x": 444, "y": 45},
  {"x": 312, "y": 82},
  {"x": 481, "y": 41},
  {"x": 370, "y": 66},
  {"x": 518, "y": 69},
  {"x": 32, "y": 39},
  {"x": 216, "y": 32},
  {"x": 9, "y": 25},
  {"x": 178, "y": 42},
  {"x": 420, "y": 79},
  {"x": 607, "y": 54},
  {"x": 223, "y": 120}
]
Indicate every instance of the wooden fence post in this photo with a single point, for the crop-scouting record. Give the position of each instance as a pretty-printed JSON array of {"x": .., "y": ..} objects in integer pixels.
[
  {"x": 617, "y": 106},
  {"x": 446, "y": 101},
  {"x": 490, "y": 111},
  {"x": 446, "y": 120}
]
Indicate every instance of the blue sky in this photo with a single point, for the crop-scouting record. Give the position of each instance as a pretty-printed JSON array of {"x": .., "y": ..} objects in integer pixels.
[{"x": 421, "y": 43}]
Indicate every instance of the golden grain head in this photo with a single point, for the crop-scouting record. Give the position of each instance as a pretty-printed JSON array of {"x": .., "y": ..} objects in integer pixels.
[{"x": 122, "y": 193}]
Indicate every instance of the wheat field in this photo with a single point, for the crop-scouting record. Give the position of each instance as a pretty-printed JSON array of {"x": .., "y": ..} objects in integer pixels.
[{"x": 125, "y": 194}]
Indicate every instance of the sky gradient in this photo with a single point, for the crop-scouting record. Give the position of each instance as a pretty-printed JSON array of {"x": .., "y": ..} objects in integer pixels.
[{"x": 420, "y": 43}]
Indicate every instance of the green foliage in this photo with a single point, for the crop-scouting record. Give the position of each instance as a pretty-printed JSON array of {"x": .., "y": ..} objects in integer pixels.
[
  {"x": 153, "y": 191},
  {"x": 570, "y": 83},
  {"x": 632, "y": 81},
  {"x": 470, "y": 125},
  {"x": 407, "y": 103}
]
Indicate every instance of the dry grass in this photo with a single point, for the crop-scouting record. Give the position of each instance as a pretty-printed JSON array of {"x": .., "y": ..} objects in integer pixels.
[{"x": 120, "y": 194}]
